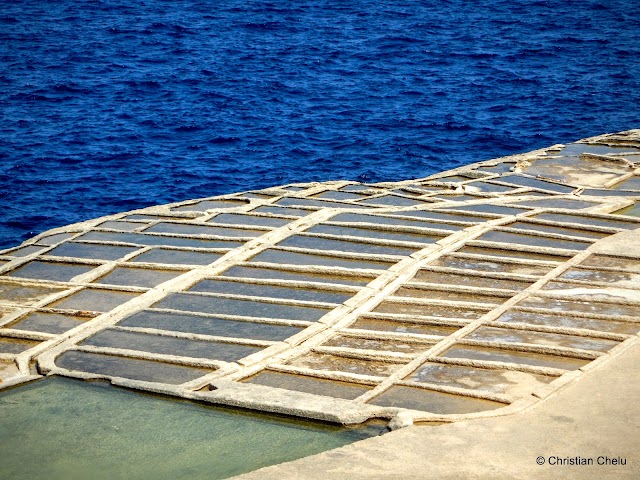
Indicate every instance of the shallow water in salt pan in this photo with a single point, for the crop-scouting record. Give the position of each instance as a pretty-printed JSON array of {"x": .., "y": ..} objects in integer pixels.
[{"x": 66, "y": 429}]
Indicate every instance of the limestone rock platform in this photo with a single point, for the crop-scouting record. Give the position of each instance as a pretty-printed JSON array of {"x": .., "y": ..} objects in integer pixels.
[{"x": 473, "y": 293}]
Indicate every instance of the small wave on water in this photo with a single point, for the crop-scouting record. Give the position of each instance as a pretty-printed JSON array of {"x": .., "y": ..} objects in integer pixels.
[{"x": 111, "y": 107}]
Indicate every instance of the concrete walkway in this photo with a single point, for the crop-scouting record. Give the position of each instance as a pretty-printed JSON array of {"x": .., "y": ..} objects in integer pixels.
[{"x": 591, "y": 418}]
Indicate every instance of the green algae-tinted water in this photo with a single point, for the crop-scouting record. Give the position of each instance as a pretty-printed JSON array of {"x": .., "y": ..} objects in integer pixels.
[
  {"x": 68, "y": 429},
  {"x": 633, "y": 210}
]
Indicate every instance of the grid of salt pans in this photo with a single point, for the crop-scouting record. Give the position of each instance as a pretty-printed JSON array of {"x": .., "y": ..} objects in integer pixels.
[{"x": 457, "y": 293}]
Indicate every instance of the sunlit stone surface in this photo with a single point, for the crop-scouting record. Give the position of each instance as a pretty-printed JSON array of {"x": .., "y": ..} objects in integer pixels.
[{"x": 434, "y": 298}]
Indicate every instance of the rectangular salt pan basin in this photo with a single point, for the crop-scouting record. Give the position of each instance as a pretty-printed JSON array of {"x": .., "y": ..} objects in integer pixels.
[
  {"x": 457, "y": 197},
  {"x": 496, "y": 210},
  {"x": 594, "y": 192},
  {"x": 94, "y": 300},
  {"x": 512, "y": 356},
  {"x": 138, "y": 277},
  {"x": 92, "y": 430},
  {"x": 588, "y": 292},
  {"x": 619, "y": 263},
  {"x": 558, "y": 203},
  {"x": 447, "y": 216},
  {"x": 360, "y": 343},
  {"x": 336, "y": 195},
  {"x": 15, "y": 346},
  {"x": 402, "y": 327},
  {"x": 121, "y": 225},
  {"x": 632, "y": 210},
  {"x": 295, "y": 258},
  {"x": 318, "y": 243},
  {"x": 321, "y": 361},
  {"x": 91, "y": 251},
  {"x": 560, "y": 230},
  {"x": 584, "y": 306},
  {"x": 507, "y": 382},
  {"x": 245, "y": 308},
  {"x": 490, "y": 187},
  {"x": 631, "y": 183},
  {"x": 304, "y": 383},
  {"x": 491, "y": 334},
  {"x": 531, "y": 240},
  {"x": 209, "y": 205},
  {"x": 59, "y": 272},
  {"x": 114, "y": 366},
  {"x": 567, "y": 321},
  {"x": 359, "y": 188},
  {"x": 307, "y": 202},
  {"x": 497, "y": 169},
  {"x": 490, "y": 266},
  {"x": 462, "y": 297},
  {"x": 55, "y": 238},
  {"x": 48, "y": 323},
  {"x": 16, "y": 294},
  {"x": 157, "y": 240},
  {"x": 209, "y": 326},
  {"x": 156, "y": 217},
  {"x": 430, "y": 310},
  {"x": 432, "y": 401},
  {"x": 588, "y": 220},
  {"x": 401, "y": 222},
  {"x": 240, "y": 219},
  {"x": 24, "y": 251},
  {"x": 181, "y": 347},
  {"x": 376, "y": 234},
  {"x": 392, "y": 201},
  {"x": 270, "y": 273},
  {"x": 444, "y": 278},
  {"x": 534, "y": 183},
  {"x": 270, "y": 291},
  {"x": 509, "y": 254},
  {"x": 190, "y": 229},
  {"x": 176, "y": 257},
  {"x": 417, "y": 190},
  {"x": 293, "y": 212},
  {"x": 453, "y": 179}
]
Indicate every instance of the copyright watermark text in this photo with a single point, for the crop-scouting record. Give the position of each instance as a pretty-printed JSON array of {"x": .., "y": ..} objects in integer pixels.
[{"x": 602, "y": 460}]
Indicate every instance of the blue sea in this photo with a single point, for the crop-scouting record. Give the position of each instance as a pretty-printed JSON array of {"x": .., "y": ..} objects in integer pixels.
[{"x": 108, "y": 105}]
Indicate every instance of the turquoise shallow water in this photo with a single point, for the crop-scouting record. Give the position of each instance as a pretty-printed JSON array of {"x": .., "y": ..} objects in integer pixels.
[
  {"x": 633, "y": 210},
  {"x": 67, "y": 429}
]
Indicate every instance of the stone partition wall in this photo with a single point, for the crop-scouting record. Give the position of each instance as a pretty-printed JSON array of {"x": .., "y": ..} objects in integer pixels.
[{"x": 469, "y": 293}]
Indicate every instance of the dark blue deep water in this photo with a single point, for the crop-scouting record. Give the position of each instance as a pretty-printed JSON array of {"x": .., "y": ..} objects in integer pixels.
[{"x": 107, "y": 105}]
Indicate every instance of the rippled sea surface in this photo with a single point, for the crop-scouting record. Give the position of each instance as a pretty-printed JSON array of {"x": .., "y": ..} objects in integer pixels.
[{"x": 108, "y": 106}]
